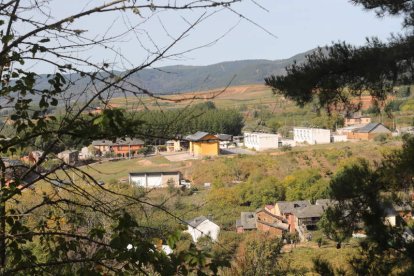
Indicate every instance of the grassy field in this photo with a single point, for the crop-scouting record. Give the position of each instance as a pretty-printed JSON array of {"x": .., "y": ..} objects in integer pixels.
[
  {"x": 113, "y": 171},
  {"x": 259, "y": 104},
  {"x": 301, "y": 258},
  {"x": 232, "y": 97}
]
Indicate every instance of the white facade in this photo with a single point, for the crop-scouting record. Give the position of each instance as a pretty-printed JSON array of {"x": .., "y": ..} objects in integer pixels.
[
  {"x": 261, "y": 141},
  {"x": 339, "y": 138},
  {"x": 311, "y": 136},
  {"x": 205, "y": 228},
  {"x": 85, "y": 154},
  {"x": 155, "y": 179}
]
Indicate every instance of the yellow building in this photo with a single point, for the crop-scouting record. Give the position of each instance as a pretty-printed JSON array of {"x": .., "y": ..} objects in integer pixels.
[{"x": 203, "y": 144}]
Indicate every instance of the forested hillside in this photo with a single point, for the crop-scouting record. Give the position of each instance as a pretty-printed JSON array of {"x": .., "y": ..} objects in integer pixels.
[{"x": 179, "y": 78}]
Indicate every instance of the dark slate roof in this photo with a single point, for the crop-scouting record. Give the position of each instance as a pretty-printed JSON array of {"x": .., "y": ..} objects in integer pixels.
[
  {"x": 312, "y": 211},
  {"x": 290, "y": 206},
  {"x": 368, "y": 128},
  {"x": 197, "y": 136},
  {"x": 224, "y": 137},
  {"x": 119, "y": 141},
  {"x": 248, "y": 220},
  {"x": 196, "y": 221}
]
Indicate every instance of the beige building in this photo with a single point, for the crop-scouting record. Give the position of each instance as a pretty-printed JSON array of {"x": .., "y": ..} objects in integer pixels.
[
  {"x": 361, "y": 120},
  {"x": 69, "y": 156}
]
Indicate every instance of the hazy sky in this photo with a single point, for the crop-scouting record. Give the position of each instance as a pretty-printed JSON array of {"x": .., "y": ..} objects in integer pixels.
[{"x": 300, "y": 25}]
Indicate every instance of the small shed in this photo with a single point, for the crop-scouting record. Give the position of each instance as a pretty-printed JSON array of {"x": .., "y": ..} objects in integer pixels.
[{"x": 203, "y": 144}]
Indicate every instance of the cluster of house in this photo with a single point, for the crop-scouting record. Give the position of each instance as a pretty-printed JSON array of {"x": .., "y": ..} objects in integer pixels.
[
  {"x": 297, "y": 217},
  {"x": 206, "y": 144},
  {"x": 301, "y": 216},
  {"x": 284, "y": 217}
]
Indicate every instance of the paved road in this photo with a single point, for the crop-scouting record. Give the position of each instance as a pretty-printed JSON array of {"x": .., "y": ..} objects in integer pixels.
[{"x": 237, "y": 151}]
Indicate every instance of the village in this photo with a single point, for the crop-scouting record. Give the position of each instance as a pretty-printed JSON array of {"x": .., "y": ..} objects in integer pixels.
[{"x": 294, "y": 219}]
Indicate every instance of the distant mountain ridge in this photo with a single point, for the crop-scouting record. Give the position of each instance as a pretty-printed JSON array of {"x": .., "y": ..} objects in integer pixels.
[{"x": 183, "y": 78}]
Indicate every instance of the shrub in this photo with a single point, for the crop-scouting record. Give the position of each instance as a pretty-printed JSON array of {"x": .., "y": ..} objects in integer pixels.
[
  {"x": 381, "y": 138},
  {"x": 286, "y": 148}
]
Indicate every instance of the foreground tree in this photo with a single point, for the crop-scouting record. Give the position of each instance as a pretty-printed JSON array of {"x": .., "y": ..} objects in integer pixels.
[
  {"x": 331, "y": 77},
  {"x": 51, "y": 223},
  {"x": 365, "y": 195}
]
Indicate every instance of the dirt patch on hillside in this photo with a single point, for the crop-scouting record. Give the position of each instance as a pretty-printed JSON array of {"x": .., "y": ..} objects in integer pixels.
[{"x": 145, "y": 163}]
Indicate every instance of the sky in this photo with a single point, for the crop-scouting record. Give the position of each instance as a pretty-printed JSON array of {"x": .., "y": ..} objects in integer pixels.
[{"x": 277, "y": 30}]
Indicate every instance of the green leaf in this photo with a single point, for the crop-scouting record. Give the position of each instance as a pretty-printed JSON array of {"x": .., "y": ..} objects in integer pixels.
[{"x": 7, "y": 38}]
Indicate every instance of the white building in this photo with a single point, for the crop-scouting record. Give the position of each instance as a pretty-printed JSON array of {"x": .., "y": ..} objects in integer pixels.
[
  {"x": 261, "y": 141},
  {"x": 311, "y": 136},
  {"x": 339, "y": 138},
  {"x": 202, "y": 226},
  {"x": 155, "y": 179},
  {"x": 85, "y": 154}
]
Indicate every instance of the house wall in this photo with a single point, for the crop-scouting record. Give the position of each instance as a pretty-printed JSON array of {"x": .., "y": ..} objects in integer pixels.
[
  {"x": 155, "y": 180},
  {"x": 264, "y": 217},
  {"x": 363, "y": 136},
  {"x": 357, "y": 121},
  {"x": 69, "y": 157},
  {"x": 392, "y": 220},
  {"x": 102, "y": 148},
  {"x": 268, "y": 229},
  {"x": 125, "y": 149},
  {"x": 261, "y": 141},
  {"x": 276, "y": 210},
  {"x": 206, "y": 228},
  {"x": 205, "y": 148},
  {"x": 339, "y": 138},
  {"x": 312, "y": 135},
  {"x": 292, "y": 221}
]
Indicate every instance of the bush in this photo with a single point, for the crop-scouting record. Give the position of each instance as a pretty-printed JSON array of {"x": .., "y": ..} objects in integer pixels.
[
  {"x": 286, "y": 148},
  {"x": 146, "y": 150},
  {"x": 381, "y": 138}
]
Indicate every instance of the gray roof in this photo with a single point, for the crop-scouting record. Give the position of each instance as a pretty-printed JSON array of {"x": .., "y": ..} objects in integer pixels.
[
  {"x": 312, "y": 211},
  {"x": 196, "y": 221},
  {"x": 248, "y": 220},
  {"x": 325, "y": 202},
  {"x": 368, "y": 128},
  {"x": 224, "y": 137},
  {"x": 119, "y": 141},
  {"x": 290, "y": 206},
  {"x": 197, "y": 136},
  {"x": 154, "y": 173}
]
